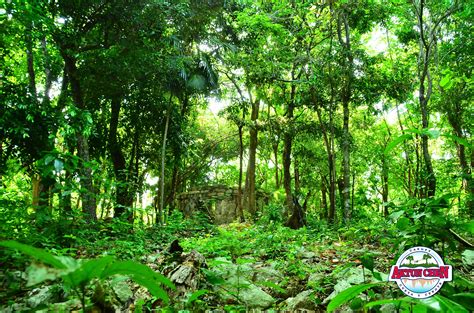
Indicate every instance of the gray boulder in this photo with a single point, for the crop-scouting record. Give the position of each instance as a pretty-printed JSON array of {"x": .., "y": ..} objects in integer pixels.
[{"x": 300, "y": 301}]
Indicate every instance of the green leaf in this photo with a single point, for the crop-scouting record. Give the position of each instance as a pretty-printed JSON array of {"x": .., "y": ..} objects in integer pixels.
[
  {"x": 212, "y": 277},
  {"x": 272, "y": 285},
  {"x": 240, "y": 261},
  {"x": 48, "y": 159},
  {"x": 459, "y": 140},
  {"x": 378, "y": 276},
  {"x": 466, "y": 299},
  {"x": 356, "y": 304},
  {"x": 433, "y": 133},
  {"x": 368, "y": 261},
  {"x": 58, "y": 165},
  {"x": 142, "y": 275},
  {"x": 195, "y": 295},
  {"x": 88, "y": 270},
  {"x": 38, "y": 254},
  {"x": 348, "y": 295},
  {"x": 446, "y": 82},
  {"x": 396, "y": 142},
  {"x": 197, "y": 82},
  {"x": 420, "y": 308},
  {"x": 396, "y": 302},
  {"x": 395, "y": 215},
  {"x": 139, "y": 306},
  {"x": 440, "y": 303},
  {"x": 403, "y": 223}
]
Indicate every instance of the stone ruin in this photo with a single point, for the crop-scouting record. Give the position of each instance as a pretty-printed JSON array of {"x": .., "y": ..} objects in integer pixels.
[{"x": 219, "y": 202}]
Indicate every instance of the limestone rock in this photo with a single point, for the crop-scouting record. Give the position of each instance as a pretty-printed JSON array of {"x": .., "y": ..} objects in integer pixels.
[
  {"x": 244, "y": 291},
  {"x": 300, "y": 301},
  {"x": 237, "y": 283},
  {"x": 267, "y": 274},
  {"x": 45, "y": 295},
  {"x": 122, "y": 291}
]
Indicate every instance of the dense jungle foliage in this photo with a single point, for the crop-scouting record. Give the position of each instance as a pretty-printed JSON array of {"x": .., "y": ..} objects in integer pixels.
[{"x": 234, "y": 155}]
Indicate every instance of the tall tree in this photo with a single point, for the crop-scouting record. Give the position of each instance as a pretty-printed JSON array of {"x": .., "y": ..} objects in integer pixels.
[{"x": 428, "y": 23}]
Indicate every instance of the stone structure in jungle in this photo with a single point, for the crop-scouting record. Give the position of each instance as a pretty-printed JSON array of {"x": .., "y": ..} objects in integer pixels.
[{"x": 219, "y": 202}]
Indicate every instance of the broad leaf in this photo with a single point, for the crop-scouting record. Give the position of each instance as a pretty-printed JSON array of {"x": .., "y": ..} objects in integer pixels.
[
  {"x": 368, "y": 261},
  {"x": 442, "y": 304},
  {"x": 466, "y": 299},
  {"x": 396, "y": 142},
  {"x": 271, "y": 285},
  {"x": 38, "y": 254},
  {"x": 459, "y": 140},
  {"x": 142, "y": 275},
  {"x": 196, "y": 295},
  {"x": 347, "y": 295},
  {"x": 88, "y": 270},
  {"x": 396, "y": 302}
]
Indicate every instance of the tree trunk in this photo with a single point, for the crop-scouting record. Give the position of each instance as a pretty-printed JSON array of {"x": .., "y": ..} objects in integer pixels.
[
  {"x": 47, "y": 72},
  {"x": 346, "y": 98},
  {"x": 240, "y": 206},
  {"x": 161, "y": 208},
  {"x": 297, "y": 178},
  {"x": 408, "y": 164},
  {"x": 30, "y": 62},
  {"x": 466, "y": 169},
  {"x": 250, "y": 187},
  {"x": 346, "y": 164},
  {"x": 430, "y": 175},
  {"x": 324, "y": 202},
  {"x": 123, "y": 200},
  {"x": 170, "y": 200},
  {"x": 329, "y": 144},
  {"x": 287, "y": 145},
  {"x": 41, "y": 183},
  {"x": 85, "y": 171},
  {"x": 275, "y": 154},
  {"x": 424, "y": 95},
  {"x": 385, "y": 185},
  {"x": 2, "y": 159}
]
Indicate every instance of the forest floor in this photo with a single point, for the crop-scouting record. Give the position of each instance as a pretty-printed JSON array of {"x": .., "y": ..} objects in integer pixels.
[{"x": 234, "y": 267}]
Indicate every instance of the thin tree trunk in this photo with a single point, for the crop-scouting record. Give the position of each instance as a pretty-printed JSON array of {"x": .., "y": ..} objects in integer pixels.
[
  {"x": 287, "y": 145},
  {"x": 424, "y": 95},
  {"x": 353, "y": 189},
  {"x": 346, "y": 98},
  {"x": 275, "y": 154},
  {"x": 250, "y": 187},
  {"x": 328, "y": 142},
  {"x": 430, "y": 175},
  {"x": 385, "y": 185},
  {"x": 418, "y": 191},
  {"x": 47, "y": 72},
  {"x": 30, "y": 62},
  {"x": 408, "y": 172},
  {"x": 42, "y": 183},
  {"x": 297, "y": 178},
  {"x": 324, "y": 202},
  {"x": 466, "y": 169},
  {"x": 163, "y": 161},
  {"x": 170, "y": 200},
  {"x": 122, "y": 197},
  {"x": 240, "y": 206},
  {"x": 85, "y": 171}
]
